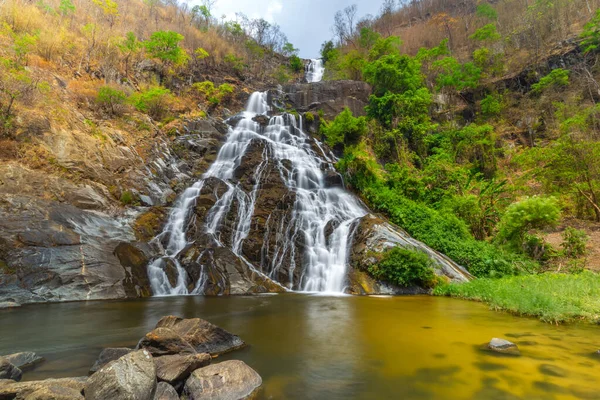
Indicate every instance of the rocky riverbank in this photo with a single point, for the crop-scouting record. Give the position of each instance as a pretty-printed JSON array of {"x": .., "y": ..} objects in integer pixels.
[{"x": 173, "y": 361}]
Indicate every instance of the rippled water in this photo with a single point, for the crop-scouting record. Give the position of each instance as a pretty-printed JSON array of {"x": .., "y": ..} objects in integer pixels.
[{"x": 316, "y": 347}]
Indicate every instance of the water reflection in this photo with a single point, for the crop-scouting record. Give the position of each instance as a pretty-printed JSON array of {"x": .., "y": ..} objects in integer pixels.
[{"x": 315, "y": 347}]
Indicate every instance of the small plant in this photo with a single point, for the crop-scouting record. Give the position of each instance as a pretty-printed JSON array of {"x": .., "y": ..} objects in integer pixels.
[
  {"x": 296, "y": 64},
  {"x": 345, "y": 129},
  {"x": 111, "y": 99},
  {"x": 127, "y": 198},
  {"x": 214, "y": 95},
  {"x": 557, "y": 78},
  {"x": 153, "y": 101},
  {"x": 405, "y": 268},
  {"x": 574, "y": 242},
  {"x": 309, "y": 117},
  {"x": 491, "y": 106}
]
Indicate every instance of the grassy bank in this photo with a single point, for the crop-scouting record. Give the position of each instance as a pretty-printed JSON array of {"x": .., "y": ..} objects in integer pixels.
[{"x": 554, "y": 298}]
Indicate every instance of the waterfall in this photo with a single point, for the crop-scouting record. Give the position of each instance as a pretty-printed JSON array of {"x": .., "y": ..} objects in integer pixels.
[
  {"x": 322, "y": 217},
  {"x": 315, "y": 71}
]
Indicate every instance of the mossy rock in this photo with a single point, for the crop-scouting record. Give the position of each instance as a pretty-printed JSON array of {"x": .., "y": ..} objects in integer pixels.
[{"x": 149, "y": 224}]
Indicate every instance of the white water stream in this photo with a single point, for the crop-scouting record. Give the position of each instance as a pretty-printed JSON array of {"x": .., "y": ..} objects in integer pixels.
[{"x": 315, "y": 71}]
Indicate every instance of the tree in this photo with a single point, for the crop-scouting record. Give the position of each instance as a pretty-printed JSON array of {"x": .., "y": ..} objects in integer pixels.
[
  {"x": 556, "y": 78},
  {"x": 345, "y": 129},
  {"x": 110, "y": 10},
  {"x": 66, "y": 8},
  {"x": 452, "y": 74},
  {"x": 591, "y": 34},
  {"x": 486, "y": 33},
  {"x": 289, "y": 50},
  {"x": 485, "y": 10},
  {"x": 328, "y": 51},
  {"x": 128, "y": 46},
  {"x": 164, "y": 46}
]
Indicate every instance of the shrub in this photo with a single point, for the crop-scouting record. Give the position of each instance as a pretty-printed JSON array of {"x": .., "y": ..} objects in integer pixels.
[
  {"x": 153, "y": 101},
  {"x": 127, "y": 197},
  {"x": 309, "y": 117},
  {"x": 557, "y": 78},
  {"x": 404, "y": 267},
  {"x": 574, "y": 242},
  {"x": 296, "y": 64},
  {"x": 491, "y": 105},
  {"x": 345, "y": 129},
  {"x": 111, "y": 99},
  {"x": 164, "y": 46}
]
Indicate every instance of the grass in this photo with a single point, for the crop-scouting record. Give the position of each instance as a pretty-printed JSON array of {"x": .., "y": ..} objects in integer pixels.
[{"x": 553, "y": 298}]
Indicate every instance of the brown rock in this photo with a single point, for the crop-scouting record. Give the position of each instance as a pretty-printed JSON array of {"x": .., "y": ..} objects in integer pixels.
[
  {"x": 176, "y": 368},
  {"x": 25, "y": 360},
  {"x": 109, "y": 355},
  {"x": 10, "y": 390},
  {"x": 229, "y": 380},
  {"x": 164, "y": 391},
  {"x": 164, "y": 341},
  {"x": 9, "y": 371},
  {"x": 55, "y": 392}
]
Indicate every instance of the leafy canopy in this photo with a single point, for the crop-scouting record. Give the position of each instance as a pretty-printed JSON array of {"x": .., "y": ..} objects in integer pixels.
[{"x": 164, "y": 45}]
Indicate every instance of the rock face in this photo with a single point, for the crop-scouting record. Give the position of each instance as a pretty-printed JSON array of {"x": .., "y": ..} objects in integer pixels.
[
  {"x": 132, "y": 377},
  {"x": 9, "y": 371},
  {"x": 503, "y": 347},
  {"x": 108, "y": 355},
  {"x": 374, "y": 236},
  {"x": 203, "y": 336},
  {"x": 329, "y": 96},
  {"x": 229, "y": 380},
  {"x": 25, "y": 360}
]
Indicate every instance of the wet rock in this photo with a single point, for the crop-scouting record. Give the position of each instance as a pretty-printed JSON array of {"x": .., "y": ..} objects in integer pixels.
[
  {"x": 55, "y": 392},
  {"x": 20, "y": 390},
  {"x": 108, "y": 355},
  {"x": 164, "y": 391},
  {"x": 202, "y": 335},
  {"x": 163, "y": 341},
  {"x": 503, "y": 346},
  {"x": 135, "y": 263},
  {"x": 9, "y": 304},
  {"x": 234, "y": 121},
  {"x": 176, "y": 368},
  {"x": 553, "y": 370},
  {"x": 146, "y": 200},
  {"x": 229, "y": 380},
  {"x": 25, "y": 360},
  {"x": 262, "y": 120},
  {"x": 132, "y": 377},
  {"x": 9, "y": 371}
]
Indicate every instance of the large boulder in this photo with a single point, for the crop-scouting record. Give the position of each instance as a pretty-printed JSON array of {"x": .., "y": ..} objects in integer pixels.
[
  {"x": 203, "y": 336},
  {"x": 25, "y": 360},
  {"x": 229, "y": 380},
  {"x": 108, "y": 355},
  {"x": 132, "y": 377},
  {"x": 11, "y": 390},
  {"x": 164, "y": 391},
  {"x": 164, "y": 341},
  {"x": 177, "y": 368},
  {"x": 9, "y": 371},
  {"x": 55, "y": 392}
]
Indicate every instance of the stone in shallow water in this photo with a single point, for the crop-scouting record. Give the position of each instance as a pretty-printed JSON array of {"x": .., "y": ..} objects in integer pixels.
[
  {"x": 176, "y": 368},
  {"x": 9, "y": 304},
  {"x": 164, "y": 391},
  {"x": 25, "y": 360},
  {"x": 202, "y": 335},
  {"x": 9, "y": 371},
  {"x": 108, "y": 355},
  {"x": 11, "y": 390},
  {"x": 165, "y": 341},
  {"x": 552, "y": 370},
  {"x": 503, "y": 346},
  {"x": 229, "y": 380},
  {"x": 132, "y": 377}
]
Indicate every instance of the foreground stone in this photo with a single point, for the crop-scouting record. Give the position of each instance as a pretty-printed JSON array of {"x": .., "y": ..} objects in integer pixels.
[
  {"x": 229, "y": 380},
  {"x": 20, "y": 390},
  {"x": 177, "y": 368},
  {"x": 9, "y": 371},
  {"x": 132, "y": 377},
  {"x": 108, "y": 355},
  {"x": 203, "y": 336},
  {"x": 25, "y": 360},
  {"x": 55, "y": 392},
  {"x": 503, "y": 347},
  {"x": 164, "y": 391},
  {"x": 165, "y": 341}
]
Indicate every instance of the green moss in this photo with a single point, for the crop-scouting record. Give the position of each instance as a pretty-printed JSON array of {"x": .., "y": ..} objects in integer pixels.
[
  {"x": 127, "y": 197},
  {"x": 309, "y": 117}
]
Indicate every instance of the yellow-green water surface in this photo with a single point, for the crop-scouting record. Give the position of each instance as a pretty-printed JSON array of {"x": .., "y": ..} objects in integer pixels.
[{"x": 315, "y": 347}]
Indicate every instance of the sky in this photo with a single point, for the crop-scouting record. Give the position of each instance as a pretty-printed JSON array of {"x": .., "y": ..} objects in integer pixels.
[{"x": 307, "y": 23}]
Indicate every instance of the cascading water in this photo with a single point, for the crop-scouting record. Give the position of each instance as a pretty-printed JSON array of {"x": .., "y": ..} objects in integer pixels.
[
  {"x": 322, "y": 217},
  {"x": 315, "y": 71}
]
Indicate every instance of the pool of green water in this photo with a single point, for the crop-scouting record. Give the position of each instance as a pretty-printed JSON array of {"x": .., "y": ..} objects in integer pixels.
[{"x": 318, "y": 347}]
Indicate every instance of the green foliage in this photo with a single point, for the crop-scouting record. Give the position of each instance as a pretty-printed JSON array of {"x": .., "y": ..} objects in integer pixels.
[
  {"x": 281, "y": 75},
  {"x": 345, "y": 129},
  {"x": 110, "y": 99},
  {"x": 309, "y": 117},
  {"x": 453, "y": 74},
  {"x": 491, "y": 105},
  {"x": 296, "y": 64},
  {"x": 427, "y": 55},
  {"x": 289, "y": 50},
  {"x": 235, "y": 62},
  {"x": 557, "y": 78},
  {"x": 22, "y": 46},
  {"x": 404, "y": 267},
  {"x": 164, "y": 46},
  {"x": 201, "y": 54},
  {"x": 485, "y": 10},
  {"x": 328, "y": 51},
  {"x": 574, "y": 242},
  {"x": 127, "y": 198},
  {"x": 394, "y": 73},
  {"x": 554, "y": 298},
  {"x": 591, "y": 34},
  {"x": 153, "y": 101},
  {"x": 352, "y": 64},
  {"x": 523, "y": 216},
  {"x": 486, "y": 33},
  {"x": 66, "y": 7},
  {"x": 214, "y": 95}
]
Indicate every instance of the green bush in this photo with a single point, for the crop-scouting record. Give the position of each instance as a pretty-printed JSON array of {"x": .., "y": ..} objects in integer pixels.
[
  {"x": 164, "y": 46},
  {"x": 405, "y": 268},
  {"x": 557, "y": 78},
  {"x": 574, "y": 242},
  {"x": 345, "y": 129},
  {"x": 296, "y": 64},
  {"x": 309, "y": 117},
  {"x": 111, "y": 99},
  {"x": 153, "y": 101},
  {"x": 491, "y": 106},
  {"x": 127, "y": 198}
]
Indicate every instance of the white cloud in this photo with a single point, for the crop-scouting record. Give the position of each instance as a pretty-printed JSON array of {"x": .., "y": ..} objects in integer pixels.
[{"x": 275, "y": 7}]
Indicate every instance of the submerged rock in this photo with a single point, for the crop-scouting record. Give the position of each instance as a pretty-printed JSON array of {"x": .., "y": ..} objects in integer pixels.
[
  {"x": 229, "y": 380},
  {"x": 503, "y": 347},
  {"x": 552, "y": 370},
  {"x": 164, "y": 391},
  {"x": 176, "y": 368},
  {"x": 9, "y": 371},
  {"x": 25, "y": 360},
  {"x": 132, "y": 377},
  {"x": 202, "y": 335},
  {"x": 164, "y": 341},
  {"x": 108, "y": 355}
]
